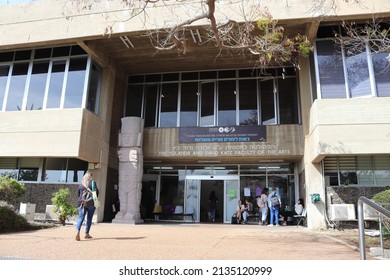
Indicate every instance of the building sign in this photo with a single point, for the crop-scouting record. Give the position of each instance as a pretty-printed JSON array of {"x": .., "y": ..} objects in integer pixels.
[{"x": 222, "y": 134}]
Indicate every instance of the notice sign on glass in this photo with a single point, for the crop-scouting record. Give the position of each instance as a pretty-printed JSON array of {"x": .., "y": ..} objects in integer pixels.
[{"x": 256, "y": 133}]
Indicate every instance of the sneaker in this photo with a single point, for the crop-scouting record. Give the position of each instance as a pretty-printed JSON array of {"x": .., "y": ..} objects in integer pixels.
[
  {"x": 78, "y": 237},
  {"x": 87, "y": 236},
  {"x": 277, "y": 225},
  {"x": 270, "y": 225}
]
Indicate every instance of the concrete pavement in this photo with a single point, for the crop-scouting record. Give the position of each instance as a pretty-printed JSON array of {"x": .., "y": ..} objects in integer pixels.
[{"x": 176, "y": 241}]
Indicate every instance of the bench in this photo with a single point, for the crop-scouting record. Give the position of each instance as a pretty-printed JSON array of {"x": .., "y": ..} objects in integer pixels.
[{"x": 178, "y": 212}]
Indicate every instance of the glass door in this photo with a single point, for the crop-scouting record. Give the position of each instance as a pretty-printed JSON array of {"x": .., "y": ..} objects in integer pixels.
[
  {"x": 231, "y": 192},
  {"x": 191, "y": 197},
  {"x": 232, "y": 195}
]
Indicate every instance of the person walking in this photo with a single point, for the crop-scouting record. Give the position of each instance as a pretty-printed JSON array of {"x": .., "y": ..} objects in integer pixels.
[
  {"x": 274, "y": 203},
  {"x": 213, "y": 200},
  {"x": 85, "y": 204}
]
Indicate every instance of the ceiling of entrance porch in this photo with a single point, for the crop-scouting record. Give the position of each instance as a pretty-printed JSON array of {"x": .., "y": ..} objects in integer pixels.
[{"x": 134, "y": 54}]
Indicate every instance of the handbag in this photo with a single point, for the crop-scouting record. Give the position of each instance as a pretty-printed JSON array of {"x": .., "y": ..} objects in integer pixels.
[{"x": 94, "y": 195}]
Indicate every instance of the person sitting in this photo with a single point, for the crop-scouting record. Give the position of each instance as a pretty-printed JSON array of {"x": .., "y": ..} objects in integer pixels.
[
  {"x": 299, "y": 207},
  {"x": 239, "y": 210},
  {"x": 248, "y": 209}
]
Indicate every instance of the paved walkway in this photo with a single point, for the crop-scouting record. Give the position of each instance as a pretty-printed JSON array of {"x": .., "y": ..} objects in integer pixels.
[{"x": 176, "y": 241}]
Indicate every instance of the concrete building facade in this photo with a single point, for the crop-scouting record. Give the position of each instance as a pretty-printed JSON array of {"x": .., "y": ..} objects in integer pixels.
[{"x": 204, "y": 121}]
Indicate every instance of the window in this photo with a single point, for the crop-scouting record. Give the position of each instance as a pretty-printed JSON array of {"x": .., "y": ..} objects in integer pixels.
[
  {"x": 17, "y": 87},
  {"x": 227, "y": 95},
  {"x": 382, "y": 73},
  {"x": 330, "y": 70},
  {"x": 169, "y": 98},
  {"x": 248, "y": 102},
  {"x": 244, "y": 97},
  {"x": 357, "y": 170},
  {"x": 358, "y": 75},
  {"x": 75, "y": 81},
  {"x": 94, "y": 89},
  {"x": 37, "y": 86},
  {"x": 49, "y": 78},
  {"x": 188, "y": 104}
]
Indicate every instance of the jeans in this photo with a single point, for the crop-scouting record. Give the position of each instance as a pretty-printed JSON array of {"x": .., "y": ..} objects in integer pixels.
[
  {"x": 212, "y": 213},
  {"x": 274, "y": 214},
  {"x": 89, "y": 211},
  {"x": 264, "y": 213}
]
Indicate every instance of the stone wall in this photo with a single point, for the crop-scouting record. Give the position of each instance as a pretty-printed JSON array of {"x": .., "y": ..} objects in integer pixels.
[{"x": 41, "y": 194}]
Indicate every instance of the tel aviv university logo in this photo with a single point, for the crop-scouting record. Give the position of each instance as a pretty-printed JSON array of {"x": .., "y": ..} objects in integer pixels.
[{"x": 226, "y": 129}]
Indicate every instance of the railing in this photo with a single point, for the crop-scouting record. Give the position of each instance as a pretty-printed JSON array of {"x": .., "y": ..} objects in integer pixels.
[{"x": 381, "y": 211}]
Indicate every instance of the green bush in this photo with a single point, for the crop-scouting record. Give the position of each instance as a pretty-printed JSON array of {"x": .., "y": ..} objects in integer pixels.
[
  {"x": 384, "y": 197},
  {"x": 62, "y": 205},
  {"x": 10, "y": 221},
  {"x": 10, "y": 189}
]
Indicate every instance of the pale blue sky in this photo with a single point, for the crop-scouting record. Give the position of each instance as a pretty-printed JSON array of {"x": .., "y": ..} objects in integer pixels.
[{"x": 14, "y": 2}]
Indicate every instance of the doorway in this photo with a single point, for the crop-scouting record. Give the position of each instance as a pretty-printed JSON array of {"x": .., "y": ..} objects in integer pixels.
[
  {"x": 206, "y": 187},
  {"x": 197, "y": 193}
]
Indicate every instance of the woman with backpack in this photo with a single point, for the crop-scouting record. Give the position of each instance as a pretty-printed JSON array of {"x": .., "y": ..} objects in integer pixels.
[
  {"x": 274, "y": 203},
  {"x": 262, "y": 203}
]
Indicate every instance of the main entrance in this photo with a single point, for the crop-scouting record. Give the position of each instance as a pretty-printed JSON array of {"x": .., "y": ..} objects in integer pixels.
[{"x": 197, "y": 193}]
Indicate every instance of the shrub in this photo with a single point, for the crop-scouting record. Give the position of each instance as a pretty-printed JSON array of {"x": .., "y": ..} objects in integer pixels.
[
  {"x": 10, "y": 189},
  {"x": 62, "y": 205},
  {"x": 384, "y": 197},
  {"x": 10, "y": 221}
]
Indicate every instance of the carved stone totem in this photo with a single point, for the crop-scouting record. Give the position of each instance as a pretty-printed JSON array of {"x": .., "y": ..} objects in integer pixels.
[{"x": 130, "y": 171}]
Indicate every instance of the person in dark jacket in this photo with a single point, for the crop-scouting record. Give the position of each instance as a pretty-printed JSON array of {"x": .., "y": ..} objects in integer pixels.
[{"x": 85, "y": 204}]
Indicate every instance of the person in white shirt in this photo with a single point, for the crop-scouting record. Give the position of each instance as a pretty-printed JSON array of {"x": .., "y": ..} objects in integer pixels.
[{"x": 274, "y": 203}]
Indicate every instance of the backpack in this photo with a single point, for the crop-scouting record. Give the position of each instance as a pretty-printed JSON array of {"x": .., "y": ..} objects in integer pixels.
[{"x": 274, "y": 200}]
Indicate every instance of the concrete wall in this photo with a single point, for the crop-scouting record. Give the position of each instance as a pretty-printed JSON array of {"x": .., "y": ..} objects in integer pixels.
[
  {"x": 349, "y": 126},
  {"x": 22, "y": 24}
]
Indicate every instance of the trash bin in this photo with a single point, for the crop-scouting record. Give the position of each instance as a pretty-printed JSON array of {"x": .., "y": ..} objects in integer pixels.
[{"x": 27, "y": 210}]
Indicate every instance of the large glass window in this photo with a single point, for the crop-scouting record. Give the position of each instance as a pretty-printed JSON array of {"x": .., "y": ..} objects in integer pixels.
[
  {"x": 151, "y": 106},
  {"x": 54, "y": 170},
  {"x": 17, "y": 87},
  {"x": 189, "y": 104},
  {"x": 227, "y": 95},
  {"x": 56, "y": 84},
  {"x": 4, "y": 71},
  {"x": 8, "y": 167},
  {"x": 382, "y": 73},
  {"x": 37, "y": 87},
  {"x": 75, "y": 83},
  {"x": 238, "y": 98},
  {"x": 288, "y": 101},
  {"x": 330, "y": 70},
  {"x": 207, "y": 104},
  {"x": 248, "y": 102},
  {"x": 267, "y": 102},
  {"x": 28, "y": 169},
  {"x": 94, "y": 89},
  {"x": 358, "y": 76},
  {"x": 168, "y": 114}
]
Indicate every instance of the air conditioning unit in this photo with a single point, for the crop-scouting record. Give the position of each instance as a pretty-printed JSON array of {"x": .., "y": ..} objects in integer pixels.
[{"x": 342, "y": 212}]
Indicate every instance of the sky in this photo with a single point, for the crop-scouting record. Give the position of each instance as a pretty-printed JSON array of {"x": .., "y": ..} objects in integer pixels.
[{"x": 14, "y": 2}]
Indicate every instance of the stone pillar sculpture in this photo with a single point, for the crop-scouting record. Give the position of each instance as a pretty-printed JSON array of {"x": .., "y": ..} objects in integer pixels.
[{"x": 130, "y": 171}]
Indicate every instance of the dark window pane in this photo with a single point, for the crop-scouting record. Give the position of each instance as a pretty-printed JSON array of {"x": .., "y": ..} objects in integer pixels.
[
  {"x": 190, "y": 76},
  {"x": 134, "y": 101},
  {"x": 267, "y": 102},
  {"x": 189, "y": 104},
  {"x": 61, "y": 51},
  {"x": 288, "y": 101},
  {"x": 168, "y": 114},
  {"x": 248, "y": 102},
  {"x": 54, "y": 170},
  {"x": 208, "y": 75},
  {"x": 331, "y": 71},
  {"x": 94, "y": 89},
  {"x": 77, "y": 50},
  {"x": 6, "y": 56},
  {"x": 207, "y": 104},
  {"x": 42, "y": 53},
  {"x": 76, "y": 170},
  {"x": 4, "y": 72},
  {"x": 22, "y": 55},
  {"x": 227, "y": 102},
  {"x": 382, "y": 73},
  {"x": 151, "y": 106}
]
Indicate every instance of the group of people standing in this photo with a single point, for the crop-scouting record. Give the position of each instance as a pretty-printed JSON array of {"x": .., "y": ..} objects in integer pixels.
[{"x": 267, "y": 203}]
